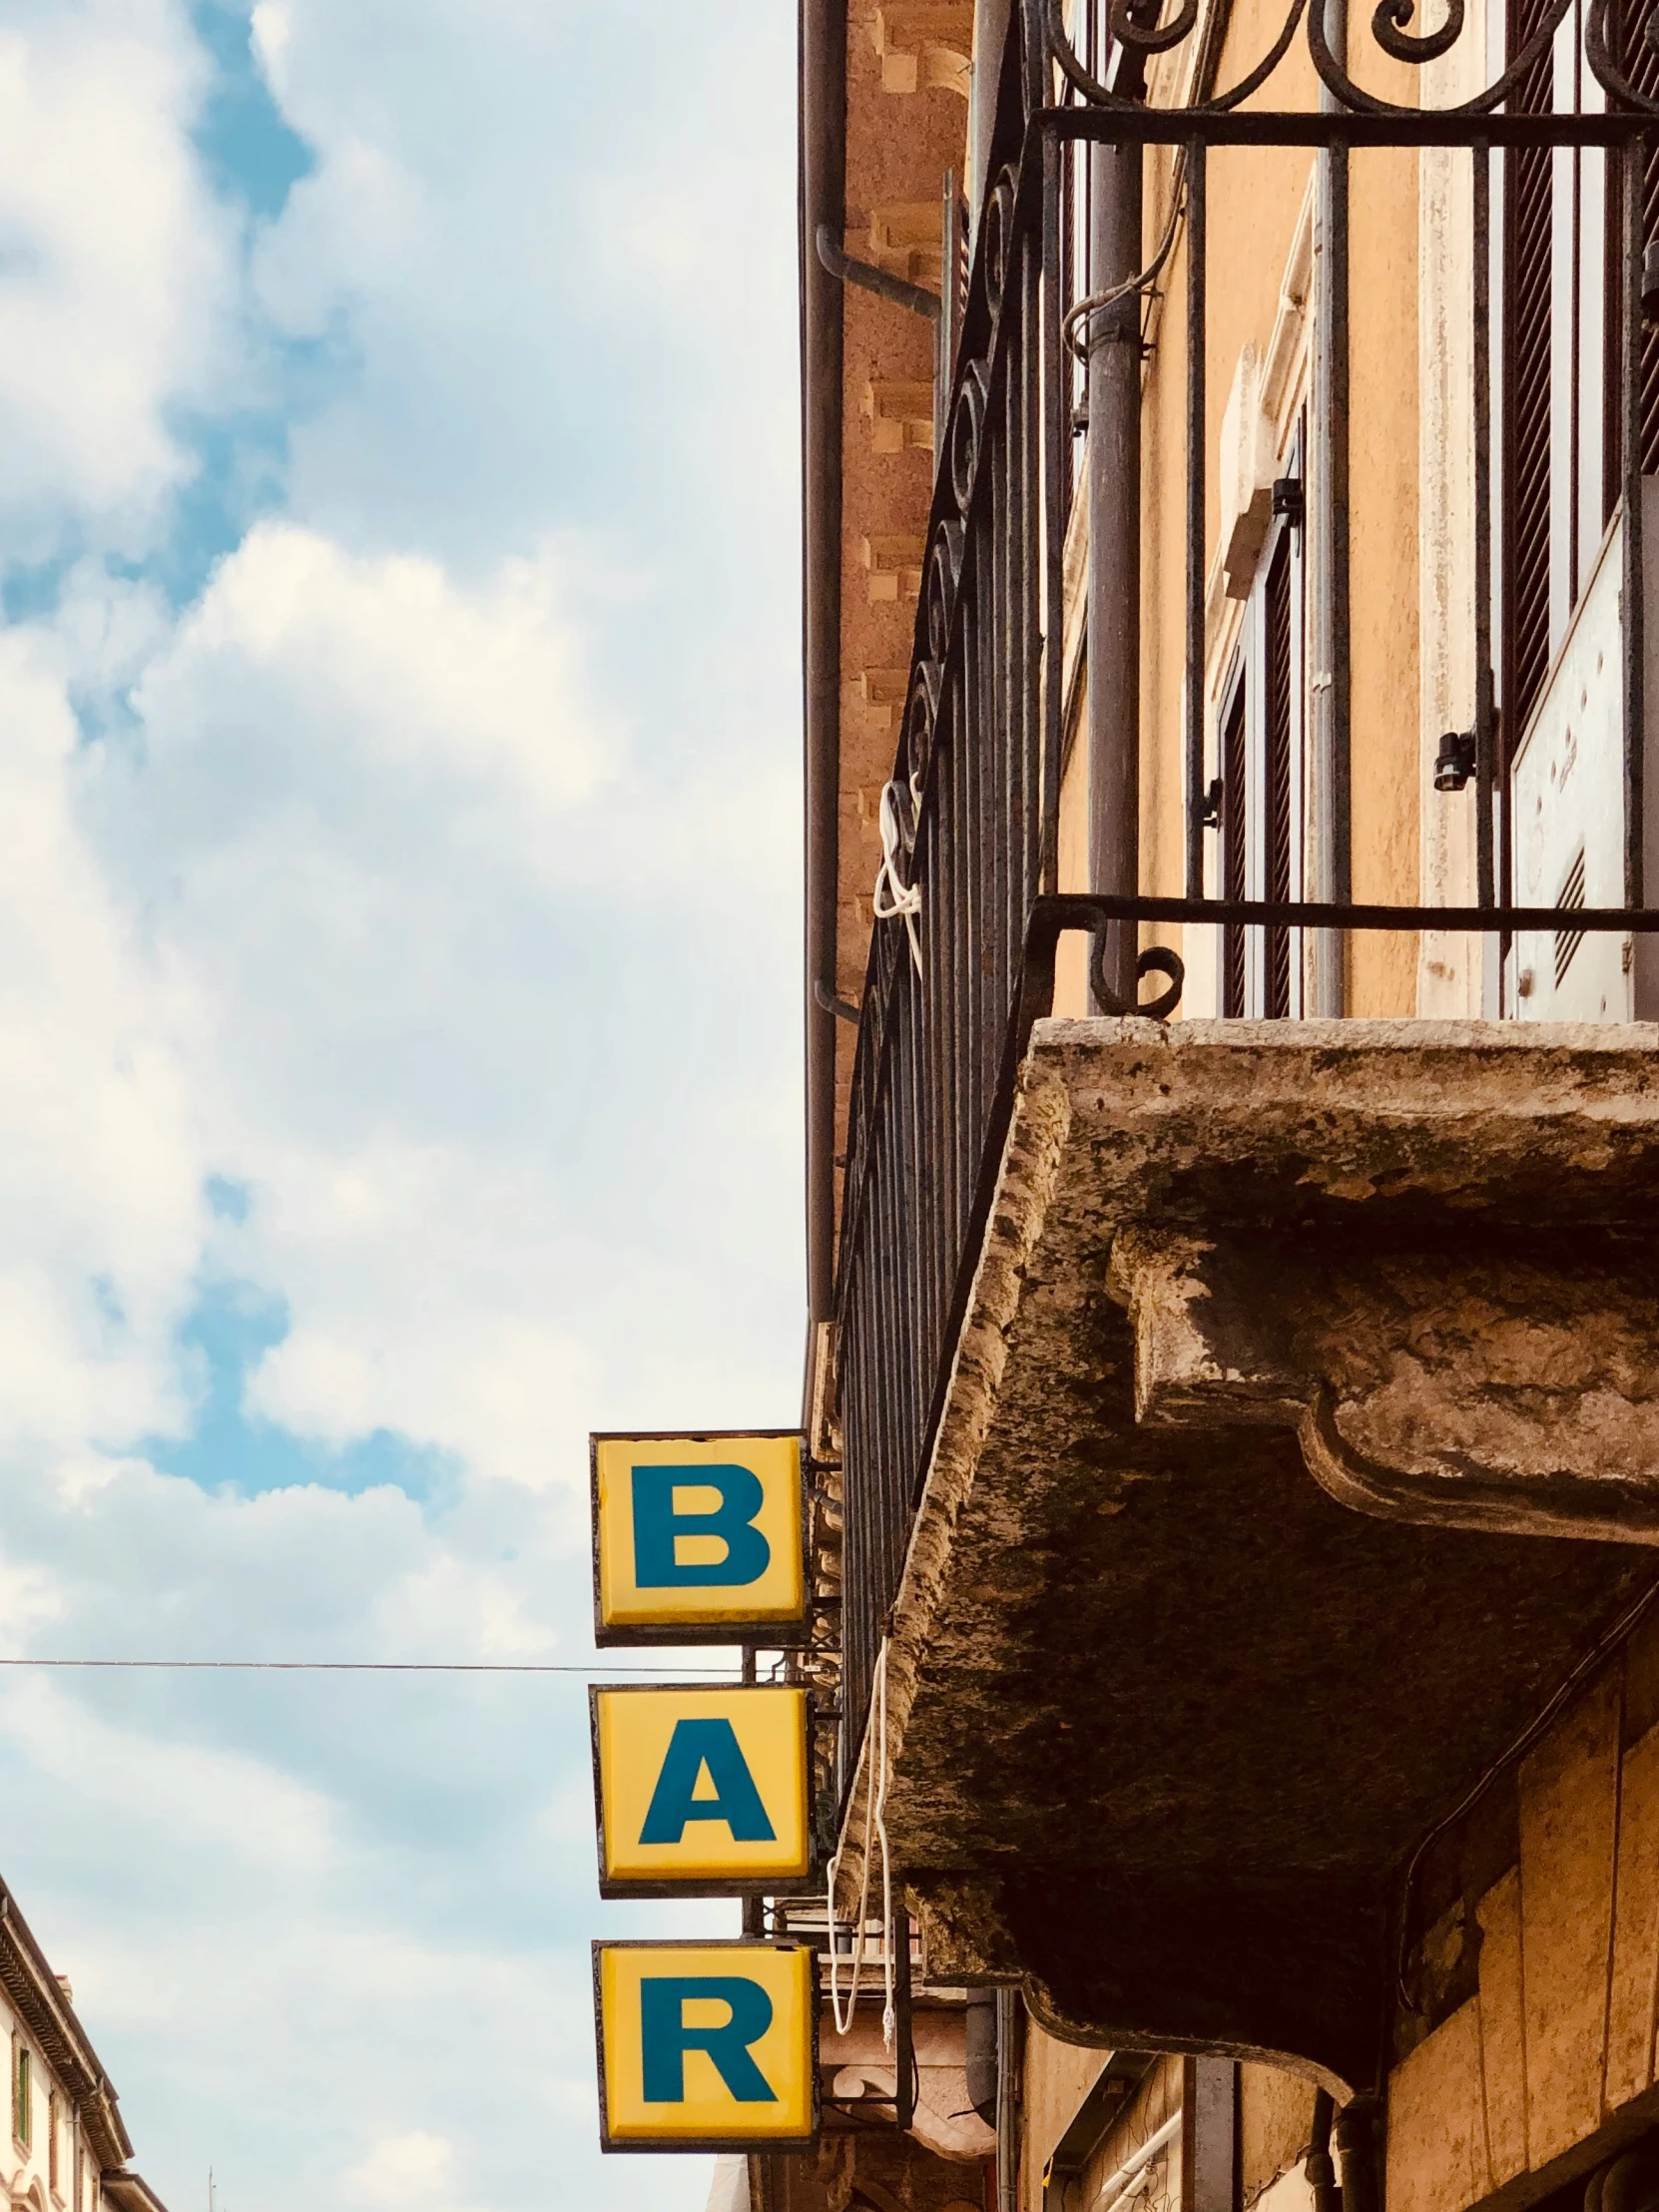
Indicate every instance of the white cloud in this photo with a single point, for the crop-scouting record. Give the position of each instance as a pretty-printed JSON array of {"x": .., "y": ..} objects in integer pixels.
[
  {"x": 403, "y": 2169},
  {"x": 181, "y": 1798},
  {"x": 584, "y": 304},
  {"x": 312, "y": 659},
  {"x": 116, "y": 269},
  {"x": 393, "y": 865},
  {"x": 100, "y": 1210}
]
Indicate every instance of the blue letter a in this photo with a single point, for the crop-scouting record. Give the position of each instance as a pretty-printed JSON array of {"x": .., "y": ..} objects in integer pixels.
[
  {"x": 665, "y": 2038},
  {"x": 693, "y": 1746},
  {"x": 657, "y": 1527}
]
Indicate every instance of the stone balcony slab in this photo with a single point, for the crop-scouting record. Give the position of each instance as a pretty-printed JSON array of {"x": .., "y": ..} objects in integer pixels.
[{"x": 1302, "y": 1437}]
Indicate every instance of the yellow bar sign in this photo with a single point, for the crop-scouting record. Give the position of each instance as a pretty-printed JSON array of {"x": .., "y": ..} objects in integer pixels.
[
  {"x": 705, "y": 2046},
  {"x": 701, "y": 1792},
  {"x": 699, "y": 1539}
]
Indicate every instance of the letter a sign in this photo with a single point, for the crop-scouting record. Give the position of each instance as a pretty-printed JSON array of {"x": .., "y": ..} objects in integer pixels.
[
  {"x": 705, "y": 2046},
  {"x": 698, "y": 1539},
  {"x": 701, "y": 1792}
]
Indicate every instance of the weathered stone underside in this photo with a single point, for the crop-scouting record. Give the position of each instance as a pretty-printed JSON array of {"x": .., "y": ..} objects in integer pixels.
[{"x": 1166, "y": 1718}]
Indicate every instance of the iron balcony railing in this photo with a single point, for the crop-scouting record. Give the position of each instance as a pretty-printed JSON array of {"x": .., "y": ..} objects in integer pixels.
[{"x": 963, "y": 955}]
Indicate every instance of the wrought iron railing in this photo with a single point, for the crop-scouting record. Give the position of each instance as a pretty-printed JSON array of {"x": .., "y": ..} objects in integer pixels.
[{"x": 969, "y": 913}]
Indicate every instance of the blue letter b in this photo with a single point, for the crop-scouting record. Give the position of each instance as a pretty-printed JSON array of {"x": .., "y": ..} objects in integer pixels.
[
  {"x": 665, "y": 2038},
  {"x": 657, "y": 1565}
]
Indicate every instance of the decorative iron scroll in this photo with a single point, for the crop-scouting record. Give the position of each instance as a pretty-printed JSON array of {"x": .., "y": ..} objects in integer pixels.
[
  {"x": 1600, "y": 55},
  {"x": 1391, "y": 33}
]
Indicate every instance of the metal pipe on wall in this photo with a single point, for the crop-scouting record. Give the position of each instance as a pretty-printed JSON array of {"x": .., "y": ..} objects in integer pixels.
[
  {"x": 1010, "y": 2018},
  {"x": 1114, "y": 492},
  {"x": 979, "y": 2053},
  {"x": 1328, "y": 857},
  {"x": 1318, "y": 2168},
  {"x": 822, "y": 187},
  {"x": 1356, "y": 2148}
]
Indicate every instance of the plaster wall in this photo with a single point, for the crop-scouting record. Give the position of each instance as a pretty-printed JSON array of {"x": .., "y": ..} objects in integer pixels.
[
  {"x": 1547, "y": 2065},
  {"x": 1055, "y": 2078},
  {"x": 1276, "y": 2116}
]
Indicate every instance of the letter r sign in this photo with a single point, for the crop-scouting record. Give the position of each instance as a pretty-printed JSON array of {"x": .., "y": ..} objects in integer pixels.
[
  {"x": 705, "y": 2046},
  {"x": 698, "y": 1539}
]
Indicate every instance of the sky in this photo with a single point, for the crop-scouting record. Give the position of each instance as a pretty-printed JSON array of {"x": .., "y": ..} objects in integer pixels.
[{"x": 399, "y": 1021}]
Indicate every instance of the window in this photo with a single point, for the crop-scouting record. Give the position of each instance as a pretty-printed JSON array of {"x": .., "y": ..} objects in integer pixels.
[
  {"x": 1558, "y": 287},
  {"x": 54, "y": 2122},
  {"x": 22, "y": 2094},
  {"x": 1260, "y": 761},
  {"x": 1529, "y": 411},
  {"x": 1279, "y": 709},
  {"x": 1234, "y": 845},
  {"x": 1639, "y": 58}
]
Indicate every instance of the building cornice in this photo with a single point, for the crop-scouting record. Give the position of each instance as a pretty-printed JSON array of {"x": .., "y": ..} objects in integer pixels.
[{"x": 49, "y": 2018}]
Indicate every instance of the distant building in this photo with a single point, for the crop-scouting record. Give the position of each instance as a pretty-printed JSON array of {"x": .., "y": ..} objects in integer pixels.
[{"x": 68, "y": 2149}]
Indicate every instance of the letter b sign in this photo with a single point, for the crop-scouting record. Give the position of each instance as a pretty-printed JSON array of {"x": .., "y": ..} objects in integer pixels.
[{"x": 698, "y": 1539}]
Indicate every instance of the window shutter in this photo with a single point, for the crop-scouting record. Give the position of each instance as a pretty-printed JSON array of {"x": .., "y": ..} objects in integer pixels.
[
  {"x": 1639, "y": 60},
  {"x": 1525, "y": 460},
  {"x": 1234, "y": 846},
  {"x": 1276, "y": 781}
]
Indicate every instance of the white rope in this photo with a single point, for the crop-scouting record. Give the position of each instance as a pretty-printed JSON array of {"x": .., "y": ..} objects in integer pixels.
[
  {"x": 875, "y": 1798},
  {"x": 893, "y": 897}
]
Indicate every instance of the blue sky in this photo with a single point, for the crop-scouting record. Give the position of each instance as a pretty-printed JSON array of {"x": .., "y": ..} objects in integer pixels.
[{"x": 398, "y": 1013}]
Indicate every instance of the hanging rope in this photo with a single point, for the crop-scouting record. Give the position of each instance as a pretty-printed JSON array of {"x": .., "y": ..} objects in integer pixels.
[
  {"x": 875, "y": 1798},
  {"x": 893, "y": 897}
]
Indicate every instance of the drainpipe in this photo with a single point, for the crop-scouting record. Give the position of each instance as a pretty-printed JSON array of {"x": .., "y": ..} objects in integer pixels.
[
  {"x": 1114, "y": 360},
  {"x": 1319, "y": 2168},
  {"x": 1328, "y": 474},
  {"x": 979, "y": 2053},
  {"x": 822, "y": 189},
  {"x": 1007, "y": 2099},
  {"x": 1356, "y": 2152}
]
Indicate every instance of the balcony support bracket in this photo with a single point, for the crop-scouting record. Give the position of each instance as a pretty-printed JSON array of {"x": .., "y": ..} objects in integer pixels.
[{"x": 1511, "y": 1385}]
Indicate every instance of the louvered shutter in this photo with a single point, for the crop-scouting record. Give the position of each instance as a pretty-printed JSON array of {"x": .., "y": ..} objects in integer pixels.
[
  {"x": 1233, "y": 848},
  {"x": 1527, "y": 234},
  {"x": 1278, "y": 744}
]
